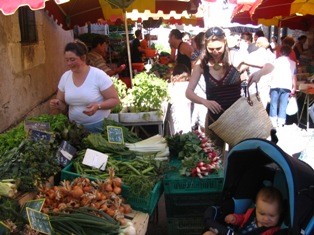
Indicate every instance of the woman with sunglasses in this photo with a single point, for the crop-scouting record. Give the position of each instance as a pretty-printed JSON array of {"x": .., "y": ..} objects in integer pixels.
[{"x": 222, "y": 79}]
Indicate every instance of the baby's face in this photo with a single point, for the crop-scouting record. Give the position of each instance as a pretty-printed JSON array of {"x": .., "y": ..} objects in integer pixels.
[{"x": 267, "y": 214}]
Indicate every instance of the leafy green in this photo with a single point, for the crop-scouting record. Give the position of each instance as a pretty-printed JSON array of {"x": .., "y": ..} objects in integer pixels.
[
  {"x": 12, "y": 138},
  {"x": 30, "y": 163},
  {"x": 147, "y": 94},
  {"x": 121, "y": 89}
]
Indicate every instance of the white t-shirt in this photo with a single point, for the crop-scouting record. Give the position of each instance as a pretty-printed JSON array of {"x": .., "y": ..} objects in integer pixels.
[
  {"x": 284, "y": 69},
  {"x": 89, "y": 92}
]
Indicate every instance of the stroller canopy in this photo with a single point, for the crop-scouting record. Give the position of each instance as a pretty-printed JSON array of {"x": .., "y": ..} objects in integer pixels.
[{"x": 298, "y": 176}]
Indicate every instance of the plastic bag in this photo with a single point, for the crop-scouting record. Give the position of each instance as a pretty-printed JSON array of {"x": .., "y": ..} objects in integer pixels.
[{"x": 292, "y": 107}]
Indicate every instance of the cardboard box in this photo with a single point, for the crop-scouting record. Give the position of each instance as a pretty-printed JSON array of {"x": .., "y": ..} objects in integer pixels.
[{"x": 140, "y": 221}]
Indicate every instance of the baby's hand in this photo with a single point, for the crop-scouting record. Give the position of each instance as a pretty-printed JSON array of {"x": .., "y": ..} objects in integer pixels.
[{"x": 230, "y": 219}]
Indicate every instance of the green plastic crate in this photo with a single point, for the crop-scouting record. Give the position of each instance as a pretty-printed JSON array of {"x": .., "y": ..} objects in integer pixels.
[
  {"x": 185, "y": 226},
  {"x": 143, "y": 204},
  {"x": 174, "y": 183},
  {"x": 191, "y": 204}
]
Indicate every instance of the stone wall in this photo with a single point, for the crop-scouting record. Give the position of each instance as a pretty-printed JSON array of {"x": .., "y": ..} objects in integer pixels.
[{"x": 29, "y": 74}]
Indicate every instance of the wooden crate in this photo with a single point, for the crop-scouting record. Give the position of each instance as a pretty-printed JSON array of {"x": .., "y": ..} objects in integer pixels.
[{"x": 139, "y": 220}]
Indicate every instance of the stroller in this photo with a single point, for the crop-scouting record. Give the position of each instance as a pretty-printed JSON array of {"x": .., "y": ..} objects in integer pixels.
[{"x": 254, "y": 163}]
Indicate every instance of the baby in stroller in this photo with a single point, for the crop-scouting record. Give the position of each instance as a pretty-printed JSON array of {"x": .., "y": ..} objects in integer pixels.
[{"x": 263, "y": 219}]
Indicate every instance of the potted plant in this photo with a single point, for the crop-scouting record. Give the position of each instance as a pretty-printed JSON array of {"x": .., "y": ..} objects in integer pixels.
[
  {"x": 121, "y": 89},
  {"x": 145, "y": 101}
]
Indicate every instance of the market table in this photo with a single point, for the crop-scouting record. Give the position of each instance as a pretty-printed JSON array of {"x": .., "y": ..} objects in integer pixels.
[{"x": 308, "y": 101}]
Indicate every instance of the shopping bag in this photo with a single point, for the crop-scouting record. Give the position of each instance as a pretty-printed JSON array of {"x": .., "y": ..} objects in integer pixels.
[
  {"x": 292, "y": 107},
  {"x": 246, "y": 118}
]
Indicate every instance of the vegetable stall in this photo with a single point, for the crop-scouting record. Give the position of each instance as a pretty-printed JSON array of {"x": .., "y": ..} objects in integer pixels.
[{"x": 55, "y": 178}]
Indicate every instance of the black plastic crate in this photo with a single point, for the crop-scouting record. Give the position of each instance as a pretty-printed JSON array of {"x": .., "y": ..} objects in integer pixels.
[
  {"x": 182, "y": 205},
  {"x": 185, "y": 226}
]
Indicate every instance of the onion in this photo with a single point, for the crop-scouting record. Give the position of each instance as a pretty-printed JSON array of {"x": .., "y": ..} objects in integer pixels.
[
  {"x": 127, "y": 208},
  {"x": 121, "y": 209},
  {"x": 117, "y": 190},
  {"x": 117, "y": 182},
  {"x": 110, "y": 212},
  {"x": 108, "y": 187},
  {"x": 77, "y": 192}
]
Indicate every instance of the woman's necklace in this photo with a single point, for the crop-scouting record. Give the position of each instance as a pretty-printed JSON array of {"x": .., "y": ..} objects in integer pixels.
[{"x": 217, "y": 66}]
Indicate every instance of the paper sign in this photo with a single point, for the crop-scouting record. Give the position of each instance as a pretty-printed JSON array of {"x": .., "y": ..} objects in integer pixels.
[
  {"x": 115, "y": 134},
  {"x": 40, "y": 126},
  {"x": 39, "y": 221},
  {"x": 33, "y": 204},
  {"x": 37, "y": 135},
  {"x": 65, "y": 153},
  {"x": 95, "y": 159}
]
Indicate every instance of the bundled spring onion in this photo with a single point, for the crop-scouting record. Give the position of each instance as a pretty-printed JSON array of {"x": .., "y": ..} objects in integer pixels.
[{"x": 84, "y": 221}]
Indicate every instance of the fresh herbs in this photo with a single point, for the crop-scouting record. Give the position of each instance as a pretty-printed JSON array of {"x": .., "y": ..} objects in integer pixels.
[
  {"x": 147, "y": 94},
  {"x": 30, "y": 164}
]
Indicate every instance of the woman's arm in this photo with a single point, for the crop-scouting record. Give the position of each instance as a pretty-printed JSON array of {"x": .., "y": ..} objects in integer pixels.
[
  {"x": 255, "y": 77},
  {"x": 59, "y": 102},
  {"x": 111, "y": 99},
  {"x": 212, "y": 105}
]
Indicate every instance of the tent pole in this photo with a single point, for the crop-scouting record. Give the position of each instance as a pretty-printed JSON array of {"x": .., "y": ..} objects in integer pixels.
[{"x": 128, "y": 44}]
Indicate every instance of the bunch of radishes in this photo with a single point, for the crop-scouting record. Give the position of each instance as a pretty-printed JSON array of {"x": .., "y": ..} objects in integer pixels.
[{"x": 211, "y": 161}]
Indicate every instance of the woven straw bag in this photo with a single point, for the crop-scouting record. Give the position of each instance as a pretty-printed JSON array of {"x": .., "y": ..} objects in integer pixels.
[{"x": 246, "y": 118}]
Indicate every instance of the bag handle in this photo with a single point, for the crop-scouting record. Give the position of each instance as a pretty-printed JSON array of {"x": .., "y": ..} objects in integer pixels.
[{"x": 247, "y": 94}]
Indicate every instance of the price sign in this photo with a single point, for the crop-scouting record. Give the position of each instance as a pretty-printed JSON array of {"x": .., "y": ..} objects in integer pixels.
[
  {"x": 115, "y": 134},
  {"x": 65, "y": 153},
  {"x": 95, "y": 159},
  {"x": 33, "y": 204},
  {"x": 37, "y": 135},
  {"x": 40, "y": 126},
  {"x": 39, "y": 221}
]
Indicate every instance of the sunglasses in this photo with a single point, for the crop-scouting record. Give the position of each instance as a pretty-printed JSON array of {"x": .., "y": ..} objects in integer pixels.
[{"x": 214, "y": 32}]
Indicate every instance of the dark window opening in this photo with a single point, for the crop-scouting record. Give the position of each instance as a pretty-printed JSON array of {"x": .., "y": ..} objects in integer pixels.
[{"x": 27, "y": 25}]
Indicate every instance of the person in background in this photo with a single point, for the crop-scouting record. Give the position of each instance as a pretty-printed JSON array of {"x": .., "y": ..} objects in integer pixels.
[
  {"x": 264, "y": 219},
  {"x": 186, "y": 37},
  {"x": 86, "y": 91},
  {"x": 184, "y": 50},
  {"x": 253, "y": 47},
  {"x": 273, "y": 44},
  {"x": 96, "y": 57},
  {"x": 283, "y": 84},
  {"x": 198, "y": 111},
  {"x": 287, "y": 41},
  {"x": 198, "y": 46},
  {"x": 145, "y": 41},
  {"x": 299, "y": 46},
  {"x": 256, "y": 60},
  {"x": 136, "y": 49}
]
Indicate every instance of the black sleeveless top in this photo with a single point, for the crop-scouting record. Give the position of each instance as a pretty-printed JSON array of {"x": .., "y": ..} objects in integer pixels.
[
  {"x": 225, "y": 91},
  {"x": 183, "y": 59}
]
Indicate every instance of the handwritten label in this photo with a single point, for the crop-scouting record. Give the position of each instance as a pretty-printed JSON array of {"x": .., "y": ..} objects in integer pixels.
[
  {"x": 65, "y": 153},
  {"x": 39, "y": 221},
  {"x": 40, "y": 126},
  {"x": 33, "y": 204},
  {"x": 37, "y": 135},
  {"x": 95, "y": 159},
  {"x": 115, "y": 134}
]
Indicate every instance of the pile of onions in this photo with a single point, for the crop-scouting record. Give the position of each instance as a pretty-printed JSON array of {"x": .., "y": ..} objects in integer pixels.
[{"x": 81, "y": 192}]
